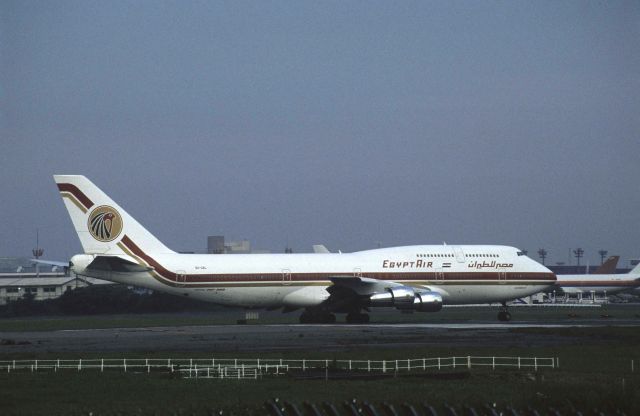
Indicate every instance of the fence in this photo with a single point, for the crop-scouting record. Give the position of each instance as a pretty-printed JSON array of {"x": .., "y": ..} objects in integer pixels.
[{"x": 253, "y": 368}]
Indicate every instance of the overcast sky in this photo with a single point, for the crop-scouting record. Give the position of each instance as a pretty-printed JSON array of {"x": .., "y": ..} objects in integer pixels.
[{"x": 353, "y": 124}]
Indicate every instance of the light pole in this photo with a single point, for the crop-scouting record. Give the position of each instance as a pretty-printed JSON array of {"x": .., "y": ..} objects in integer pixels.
[
  {"x": 37, "y": 252},
  {"x": 578, "y": 253},
  {"x": 603, "y": 254},
  {"x": 543, "y": 254}
]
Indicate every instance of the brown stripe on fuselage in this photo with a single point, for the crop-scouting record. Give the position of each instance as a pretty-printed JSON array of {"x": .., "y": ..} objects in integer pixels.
[
  {"x": 73, "y": 190},
  {"x": 167, "y": 274},
  {"x": 201, "y": 280}
]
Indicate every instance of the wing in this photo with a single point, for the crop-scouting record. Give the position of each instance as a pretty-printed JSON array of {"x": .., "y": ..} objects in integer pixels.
[
  {"x": 354, "y": 292},
  {"x": 361, "y": 285}
]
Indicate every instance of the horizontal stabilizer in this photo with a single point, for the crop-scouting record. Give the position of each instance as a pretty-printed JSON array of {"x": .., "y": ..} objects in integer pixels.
[
  {"x": 51, "y": 262},
  {"x": 116, "y": 264}
]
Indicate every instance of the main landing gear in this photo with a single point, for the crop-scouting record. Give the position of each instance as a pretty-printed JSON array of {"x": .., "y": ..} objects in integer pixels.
[
  {"x": 357, "y": 318},
  {"x": 317, "y": 317},
  {"x": 503, "y": 314}
]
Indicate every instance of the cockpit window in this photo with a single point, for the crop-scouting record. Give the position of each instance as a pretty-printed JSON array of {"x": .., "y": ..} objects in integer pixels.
[{"x": 521, "y": 253}]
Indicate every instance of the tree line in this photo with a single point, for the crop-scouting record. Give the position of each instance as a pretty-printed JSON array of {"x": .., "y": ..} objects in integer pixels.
[{"x": 103, "y": 299}]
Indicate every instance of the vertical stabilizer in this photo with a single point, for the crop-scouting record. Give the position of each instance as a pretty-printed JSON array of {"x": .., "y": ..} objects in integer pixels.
[
  {"x": 102, "y": 225},
  {"x": 609, "y": 266}
]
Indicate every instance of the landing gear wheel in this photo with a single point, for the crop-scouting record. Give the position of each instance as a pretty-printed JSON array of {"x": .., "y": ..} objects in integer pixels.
[
  {"x": 309, "y": 317},
  {"x": 306, "y": 318},
  {"x": 357, "y": 318},
  {"x": 329, "y": 318},
  {"x": 504, "y": 316}
]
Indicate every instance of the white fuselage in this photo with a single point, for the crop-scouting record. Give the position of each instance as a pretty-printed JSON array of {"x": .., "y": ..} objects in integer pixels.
[
  {"x": 461, "y": 274},
  {"x": 597, "y": 283}
]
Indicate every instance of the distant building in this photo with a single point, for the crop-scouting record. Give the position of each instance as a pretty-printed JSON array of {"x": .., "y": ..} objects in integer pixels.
[
  {"x": 14, "y": 286},
  {"x": 238, "y": 247},
  {"x": 19, "y": 276},
  {"x": 217, "y": 245}
]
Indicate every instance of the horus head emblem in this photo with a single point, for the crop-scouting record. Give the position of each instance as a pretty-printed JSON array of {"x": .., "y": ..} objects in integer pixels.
[{"x": 105, "y": 224}]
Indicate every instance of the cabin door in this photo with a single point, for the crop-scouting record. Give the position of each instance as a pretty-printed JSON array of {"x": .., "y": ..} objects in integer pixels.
[
  {"x": 286, "y": 276},
  {"x": 181, "y": 278},
  {"x": 459, "y": 254}
]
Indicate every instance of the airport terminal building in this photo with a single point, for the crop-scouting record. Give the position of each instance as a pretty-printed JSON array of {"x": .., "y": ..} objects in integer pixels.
[{"x": 20, "y": 276}]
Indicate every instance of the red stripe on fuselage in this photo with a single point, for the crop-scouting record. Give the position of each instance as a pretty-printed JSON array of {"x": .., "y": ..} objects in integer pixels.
[
  {"x": 495, "y": 277},
  {"x": 167, "y": 274}
]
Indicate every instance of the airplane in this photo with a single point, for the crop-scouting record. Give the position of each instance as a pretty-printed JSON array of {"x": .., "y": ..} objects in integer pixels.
[
  {"x": 609, "y": 283},
  {"x": 410, "y": 278}
]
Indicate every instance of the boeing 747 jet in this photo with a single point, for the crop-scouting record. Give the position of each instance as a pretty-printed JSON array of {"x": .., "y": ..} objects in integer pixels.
[{"x": 412, "y": 278}]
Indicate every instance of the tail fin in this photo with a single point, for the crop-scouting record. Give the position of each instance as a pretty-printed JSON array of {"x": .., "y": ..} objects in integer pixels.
[
  {"x": 636, "y": 270},
  {"x": 102, "y": 226},
  {"x": 609, "y": 266}
]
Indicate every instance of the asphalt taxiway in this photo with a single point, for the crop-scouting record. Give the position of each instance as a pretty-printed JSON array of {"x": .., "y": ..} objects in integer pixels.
[{"x": 295, "y": 337}]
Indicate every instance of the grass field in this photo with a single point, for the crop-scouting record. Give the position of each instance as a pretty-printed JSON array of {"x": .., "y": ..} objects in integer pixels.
[
  {"x": 117, "y": 393},
  {"x": 589, "y": 377},
  {"x": 595, "y": 372}
]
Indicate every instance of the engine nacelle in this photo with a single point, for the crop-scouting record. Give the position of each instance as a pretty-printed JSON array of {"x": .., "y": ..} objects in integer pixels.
[
  {"x": 407, "y": 298},
  {"x": 402, "y": 297},
  {"x": 427, "y": 301}
]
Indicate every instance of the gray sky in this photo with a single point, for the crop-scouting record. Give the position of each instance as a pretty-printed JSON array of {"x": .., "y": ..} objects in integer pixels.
[{"x": 351, "y": 124}]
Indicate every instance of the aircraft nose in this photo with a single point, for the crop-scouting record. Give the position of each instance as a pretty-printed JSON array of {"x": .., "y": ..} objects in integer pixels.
[{"x": 547, "y": 273}]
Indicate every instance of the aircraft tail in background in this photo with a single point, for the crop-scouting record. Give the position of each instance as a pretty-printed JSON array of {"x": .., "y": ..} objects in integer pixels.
[{"x": 609, "y": 266}]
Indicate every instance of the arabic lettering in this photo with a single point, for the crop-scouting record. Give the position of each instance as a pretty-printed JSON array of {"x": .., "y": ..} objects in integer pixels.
[{"x": 489, "y": 265}]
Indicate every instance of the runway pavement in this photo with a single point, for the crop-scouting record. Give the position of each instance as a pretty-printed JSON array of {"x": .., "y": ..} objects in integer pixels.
[{"x": 294, "y": 337}]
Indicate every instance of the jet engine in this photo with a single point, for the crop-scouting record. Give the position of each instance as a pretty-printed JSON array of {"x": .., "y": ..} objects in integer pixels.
[
  {"x": 407, "y": 298},
  {"x": 427, "y": 301}
]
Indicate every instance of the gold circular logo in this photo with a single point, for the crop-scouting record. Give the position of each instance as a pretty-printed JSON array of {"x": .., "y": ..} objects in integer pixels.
[{"x": 105, "y": 223}]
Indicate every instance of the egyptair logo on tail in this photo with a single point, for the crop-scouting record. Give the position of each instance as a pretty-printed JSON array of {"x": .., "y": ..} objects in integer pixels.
[{"x": 105, "y": 223}]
